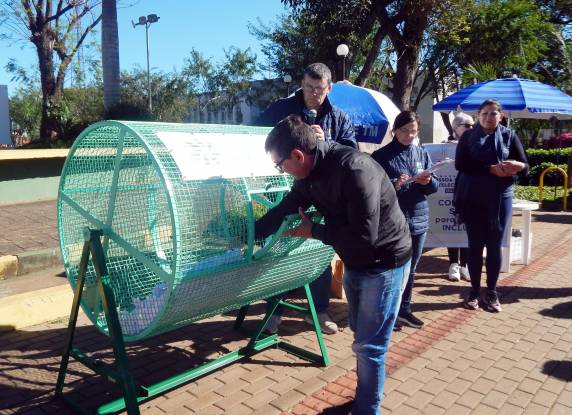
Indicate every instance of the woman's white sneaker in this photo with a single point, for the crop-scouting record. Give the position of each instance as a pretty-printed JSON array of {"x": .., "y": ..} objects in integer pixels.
[
  {"x": 454, "y": 272},
  {"x": 464, "y": 271}
]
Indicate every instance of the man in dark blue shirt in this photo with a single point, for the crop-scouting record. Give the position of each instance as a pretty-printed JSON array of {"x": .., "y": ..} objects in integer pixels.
[
  {"x": 311, "y": 102},
  {"x": 330, "y": 124}
]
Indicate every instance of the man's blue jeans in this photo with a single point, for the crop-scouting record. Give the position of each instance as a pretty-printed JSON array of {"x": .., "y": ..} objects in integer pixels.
[
  {"x": 417, "y": 243},
  {"x": 320, "y": 289},
  {"x": 373, "y": 296}
]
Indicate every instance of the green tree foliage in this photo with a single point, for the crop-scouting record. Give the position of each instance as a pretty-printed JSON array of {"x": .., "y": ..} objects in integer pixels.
[
  {"x": 307, "y": 36},
  {"x": 221, "y": 85},
  {"x": 509, "y": 35},
  {"x": 50, "y": 26}
]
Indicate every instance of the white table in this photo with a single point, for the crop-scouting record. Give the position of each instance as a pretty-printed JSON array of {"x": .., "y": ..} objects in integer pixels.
[{"x": 512, "y": 252}]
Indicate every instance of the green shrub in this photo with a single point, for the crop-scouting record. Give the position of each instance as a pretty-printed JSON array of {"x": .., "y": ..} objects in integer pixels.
[
  {"x": 550, "y": 195},
  {"x": 539, "y": 155}
]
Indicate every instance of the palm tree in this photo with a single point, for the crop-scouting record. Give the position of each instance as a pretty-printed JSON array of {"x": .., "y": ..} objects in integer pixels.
[{"x": 110, "y": 54}]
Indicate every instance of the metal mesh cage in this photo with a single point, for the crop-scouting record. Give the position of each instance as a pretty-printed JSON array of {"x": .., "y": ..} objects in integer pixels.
[{"x": 177, "y": 205}]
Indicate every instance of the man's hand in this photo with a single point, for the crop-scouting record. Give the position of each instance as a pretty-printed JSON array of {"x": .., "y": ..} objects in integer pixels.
[
  {"x": 318, "y": 131},
  {"x": 304, "y": 230}
]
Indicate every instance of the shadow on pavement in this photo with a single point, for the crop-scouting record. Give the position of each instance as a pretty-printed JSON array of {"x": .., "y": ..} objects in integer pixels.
[
  {"x": 562, "y": 310},
  {"x": 29, "y": 360},
  {"x": 553, "y": 218},
  {"x": 560, "y": 369}
]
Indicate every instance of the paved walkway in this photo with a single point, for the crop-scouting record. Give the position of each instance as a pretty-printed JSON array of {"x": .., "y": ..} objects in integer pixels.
[
  {"x": 28, "y": 227},
  {"x": 518, "y": 361}
]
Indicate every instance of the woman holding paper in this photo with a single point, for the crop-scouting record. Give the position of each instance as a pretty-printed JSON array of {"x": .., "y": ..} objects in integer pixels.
[
  {"x": 488, "y": 159},
  {"x": 407, "y": 166}
]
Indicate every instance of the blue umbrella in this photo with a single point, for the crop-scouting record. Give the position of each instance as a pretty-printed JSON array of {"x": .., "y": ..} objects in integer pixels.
[
  {"x": 371, "y": 112},
  {"x": 520, "y": 98}
]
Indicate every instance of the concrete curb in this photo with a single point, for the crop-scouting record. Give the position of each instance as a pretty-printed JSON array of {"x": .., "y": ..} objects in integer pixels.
[
  {"x": 35, "y": 307},
  {"x": 26, "y": 262}
]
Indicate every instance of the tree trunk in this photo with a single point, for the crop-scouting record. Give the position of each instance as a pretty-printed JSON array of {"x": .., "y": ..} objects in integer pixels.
[
  {"x": 110, "y": 55},
  {"x": 371, "y": 57},
  {"x": 50, "y": 95},
  {"x": 404, "y": 77}
]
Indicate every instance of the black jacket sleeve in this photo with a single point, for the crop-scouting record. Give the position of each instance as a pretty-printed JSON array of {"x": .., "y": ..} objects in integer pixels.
[{"x": 269, "y": 223}]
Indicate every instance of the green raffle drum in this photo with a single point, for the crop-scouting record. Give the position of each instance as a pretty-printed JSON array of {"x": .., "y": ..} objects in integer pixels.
[{"x": 176, "y": 204}]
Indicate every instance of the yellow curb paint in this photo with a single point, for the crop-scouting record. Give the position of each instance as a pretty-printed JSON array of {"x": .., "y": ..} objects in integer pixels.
[
  {"x": 35, "y": 307},
  {"x": 8, "y": 266}
]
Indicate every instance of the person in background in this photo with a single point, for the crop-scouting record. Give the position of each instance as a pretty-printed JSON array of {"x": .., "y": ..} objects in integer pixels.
[
  {"x": 458, "y": 256},
  {"x": 407, "y": 166},
  {"x": 488, "y": 158},
  {"x": 311, "y": 102},
  {"x": 364, "y": 225},
  {"x": 330, "y": 124}
]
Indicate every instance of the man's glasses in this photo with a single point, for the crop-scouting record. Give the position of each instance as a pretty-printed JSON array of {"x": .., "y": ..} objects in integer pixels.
[
  {"x": 467, "y": 125},
  {"x": 316, "y": 89},
  {"x": 278, "y": 166}
]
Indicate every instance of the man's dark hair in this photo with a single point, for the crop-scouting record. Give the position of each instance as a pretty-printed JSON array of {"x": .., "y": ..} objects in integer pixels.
[
  {"x": 319, "y": 71},
  {"x": 291, "y": 133},
  {"x": 404, "y": 118}
]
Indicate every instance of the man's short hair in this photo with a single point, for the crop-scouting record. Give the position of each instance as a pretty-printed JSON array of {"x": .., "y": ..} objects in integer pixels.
[
  {"x": 319, "y": 71},
  {"x": 291, "y": 133}
]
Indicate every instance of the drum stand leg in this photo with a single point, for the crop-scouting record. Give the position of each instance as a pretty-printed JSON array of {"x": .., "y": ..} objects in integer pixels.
[
  {"x": 273, "y": 303},
  {"x": 119, "y": 373}
]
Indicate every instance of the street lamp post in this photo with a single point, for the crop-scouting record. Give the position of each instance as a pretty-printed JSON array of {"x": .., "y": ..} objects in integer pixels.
[
  {"x": 342, "y": 50},
  {"x": 287, "y": 79},
  {"x": 147, "y": 21}
]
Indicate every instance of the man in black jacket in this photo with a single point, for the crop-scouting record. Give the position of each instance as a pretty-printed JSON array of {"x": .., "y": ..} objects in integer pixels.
[
  {"x": 329, "y": 123},
  {"x": 365, "y": 226}
]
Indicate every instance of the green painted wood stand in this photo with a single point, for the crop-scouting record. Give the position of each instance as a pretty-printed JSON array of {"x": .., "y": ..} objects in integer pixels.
[{"x": 120, "y": 373}]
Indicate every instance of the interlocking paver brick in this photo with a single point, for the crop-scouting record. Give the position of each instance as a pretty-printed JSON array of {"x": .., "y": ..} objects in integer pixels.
[
  {"x": 393, "y": 400},
  {"x": 435, "y": 386},
  {"x": 530, "y": 385},
  {"x": 520, "y": 398},
  {"x": 445, "y": 399},
  {"x": 431, "y": 409},
  {"x": 419, "y": 400},
  {"x": 559, "y": 409},
  {"x": 565, "y": 398},
  {"x": 535, "y": 409},
  {"x": 516, "y": 374},
  {"x": 509, "y": 409},
  {"x": 458, "y": 410},
  {"x": 287, "y": 400}
]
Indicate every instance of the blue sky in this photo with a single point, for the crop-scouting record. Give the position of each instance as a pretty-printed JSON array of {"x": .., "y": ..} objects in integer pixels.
[{"x": 208, "y": 26}]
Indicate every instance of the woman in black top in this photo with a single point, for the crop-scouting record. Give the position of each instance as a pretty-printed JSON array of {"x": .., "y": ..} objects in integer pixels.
[{"x": 488, "y": 158}]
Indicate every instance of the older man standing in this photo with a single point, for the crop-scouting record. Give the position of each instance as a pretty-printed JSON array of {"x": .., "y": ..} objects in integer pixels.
[{"x": 329, "y": 123}]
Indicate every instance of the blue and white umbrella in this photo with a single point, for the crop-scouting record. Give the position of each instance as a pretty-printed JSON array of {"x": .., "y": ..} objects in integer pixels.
[
  {"x": 520, "y": 98},
  {"x": 371, "y": 112}
]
